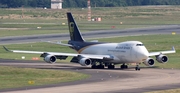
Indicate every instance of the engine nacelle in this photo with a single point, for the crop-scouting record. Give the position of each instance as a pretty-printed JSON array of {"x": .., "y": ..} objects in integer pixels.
[
  {"x": 149, "y": 62},
  {"x": 85, "y": 61},
  {"x": 162, "y": 59},
  {"x": 50, "y": 59}
]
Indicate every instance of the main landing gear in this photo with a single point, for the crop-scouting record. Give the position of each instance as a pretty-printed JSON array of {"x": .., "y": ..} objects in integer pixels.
[
  {"x": 110, "y": 66},
  {"x": 123, "y": 66},
  {"x": 99, "y": 66}
]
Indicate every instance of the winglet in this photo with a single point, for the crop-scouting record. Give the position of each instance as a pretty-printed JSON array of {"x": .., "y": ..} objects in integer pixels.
[
  {"x": 173, "y": 48},
  {"x": 6, "y": 49}
]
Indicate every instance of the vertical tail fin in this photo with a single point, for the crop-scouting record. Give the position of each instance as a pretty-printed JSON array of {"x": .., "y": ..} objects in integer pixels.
[{"x": 75, "y": 34}]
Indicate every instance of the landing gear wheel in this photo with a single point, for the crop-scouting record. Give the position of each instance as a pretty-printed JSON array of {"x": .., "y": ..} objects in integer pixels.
[
  {"x": 94, "y": 67},
  {"x": 101, "y": 66},
  {"x": 124, "y": 66},
  {"x": 111, "y": 66},
  {"x": 97, "y": 67},
  {"x": 137, "y": 68}
]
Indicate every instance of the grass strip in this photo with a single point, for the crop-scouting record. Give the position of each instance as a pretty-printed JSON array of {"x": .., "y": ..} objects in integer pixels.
[{"x": 12, "y": 77}]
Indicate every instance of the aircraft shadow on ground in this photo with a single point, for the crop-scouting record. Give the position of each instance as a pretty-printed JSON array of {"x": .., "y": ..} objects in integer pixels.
[{"x": 67, "y": 67}]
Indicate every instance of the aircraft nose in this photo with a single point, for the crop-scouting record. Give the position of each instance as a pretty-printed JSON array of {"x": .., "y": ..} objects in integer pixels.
[{"x": 143, "y": 55}]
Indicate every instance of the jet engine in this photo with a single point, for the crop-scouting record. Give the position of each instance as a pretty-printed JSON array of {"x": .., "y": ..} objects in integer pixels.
[
  {"x": 50, "y": 59},
  {"x": 162, "y": 58},
  {"x": 149, "y": 62},
  {"x": 85, "y": 61}
]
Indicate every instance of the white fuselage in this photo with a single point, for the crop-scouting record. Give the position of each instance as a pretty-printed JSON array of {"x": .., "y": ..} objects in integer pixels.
[{"x": 125, "y": 52}]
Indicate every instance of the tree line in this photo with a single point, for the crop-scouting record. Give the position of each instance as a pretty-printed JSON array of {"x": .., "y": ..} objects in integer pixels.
[
  {"x": 25, "y": 3},
  {"x": 83, "y": 3}
]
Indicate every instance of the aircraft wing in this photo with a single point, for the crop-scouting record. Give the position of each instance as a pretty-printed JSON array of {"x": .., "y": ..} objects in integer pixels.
[
  {"x": 162, "y": 52},
  {"x": 62, "y": 54}
]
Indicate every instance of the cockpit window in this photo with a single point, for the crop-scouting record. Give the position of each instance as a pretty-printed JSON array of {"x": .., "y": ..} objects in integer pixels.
[{"x": 140, "y": 45}]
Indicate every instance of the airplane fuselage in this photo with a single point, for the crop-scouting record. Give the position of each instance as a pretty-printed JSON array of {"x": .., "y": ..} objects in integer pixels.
[{"x": 124, "y": 52}]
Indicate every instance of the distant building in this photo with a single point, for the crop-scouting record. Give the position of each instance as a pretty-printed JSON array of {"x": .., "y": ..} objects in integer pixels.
[{"x": 56, "y": 4}]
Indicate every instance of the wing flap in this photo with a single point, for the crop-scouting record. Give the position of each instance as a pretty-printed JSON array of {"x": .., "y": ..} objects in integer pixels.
[{"x": 91, "y": 56}]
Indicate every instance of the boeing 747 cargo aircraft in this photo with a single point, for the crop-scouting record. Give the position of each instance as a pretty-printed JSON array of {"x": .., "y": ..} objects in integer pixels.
[{"x": 101, "y": 55}]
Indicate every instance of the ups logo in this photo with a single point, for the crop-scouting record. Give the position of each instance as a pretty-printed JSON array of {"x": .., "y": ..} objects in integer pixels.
[{"x": 71, "y": 29}]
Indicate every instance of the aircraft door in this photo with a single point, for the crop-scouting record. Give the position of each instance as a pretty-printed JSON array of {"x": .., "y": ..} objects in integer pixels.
[{"x": 133, "y": 53}]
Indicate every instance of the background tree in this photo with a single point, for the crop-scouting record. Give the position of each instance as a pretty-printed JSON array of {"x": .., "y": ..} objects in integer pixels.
[{"x": 83, "y": 3}]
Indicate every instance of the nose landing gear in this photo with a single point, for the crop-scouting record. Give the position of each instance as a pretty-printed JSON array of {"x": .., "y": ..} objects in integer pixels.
[{"x": 137, "y": 68}]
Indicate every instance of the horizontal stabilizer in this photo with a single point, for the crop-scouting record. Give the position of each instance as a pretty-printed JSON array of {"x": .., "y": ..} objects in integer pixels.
[{"x": 59, "y": 43}]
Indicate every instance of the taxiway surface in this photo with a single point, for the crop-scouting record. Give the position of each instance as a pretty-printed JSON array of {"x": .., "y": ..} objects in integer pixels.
[
  {"x": 166, "y": 29},
  {"x": 101, "y": 80}
]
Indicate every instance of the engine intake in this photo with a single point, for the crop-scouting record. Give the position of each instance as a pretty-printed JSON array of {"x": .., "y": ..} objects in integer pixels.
[
  {"x": 162, "y": 59},
  {"x": 50, "y": 59},
  {"x": 149, "y": 62},
  {"x": 85, "y": 61}
]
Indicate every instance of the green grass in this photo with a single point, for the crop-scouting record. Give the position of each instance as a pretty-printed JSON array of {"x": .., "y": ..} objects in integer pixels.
[
  {"x": 12, "y": 77},
  {"x": 51, "y": 20}
]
